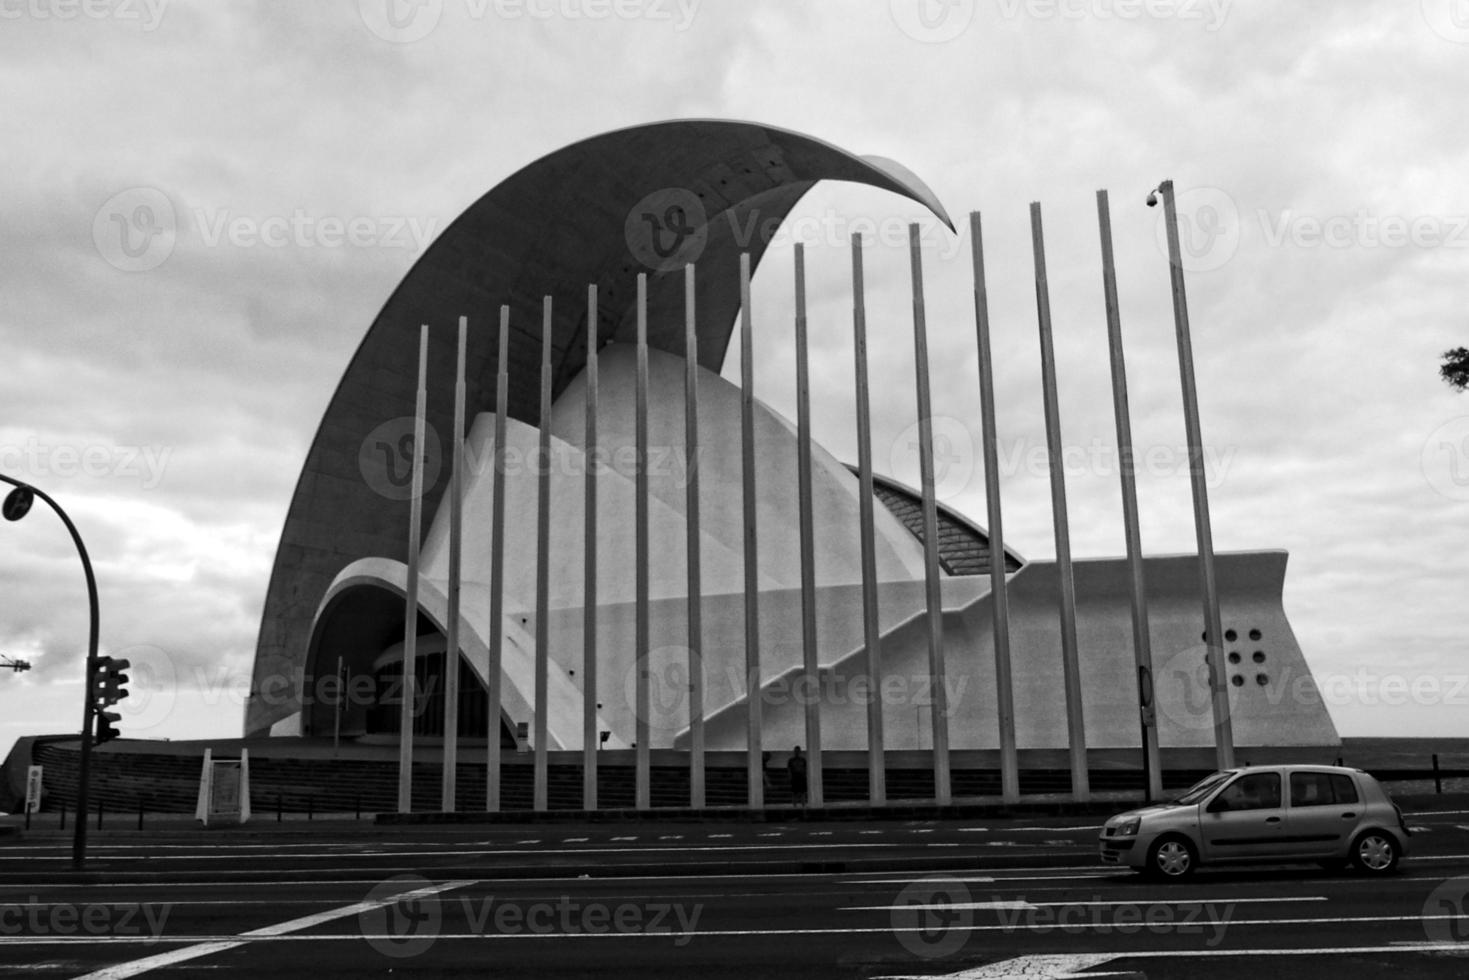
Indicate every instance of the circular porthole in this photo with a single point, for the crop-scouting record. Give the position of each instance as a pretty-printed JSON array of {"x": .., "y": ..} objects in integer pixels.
[
  {"x": 1255, "y": 634},
  {"x": 1231, "y": 635},
  {"x": 1237, "y": 680},
  {"x": 1259, "y": 657},
  {"x": 1262, "y": 679},
  {"x": 1234, "y": 656}
]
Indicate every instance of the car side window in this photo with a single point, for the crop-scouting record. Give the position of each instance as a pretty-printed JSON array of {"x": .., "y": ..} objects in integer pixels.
[
  {"x": 1345, "y": 790},
  {"x": 1312, "y": 788},
  {"x": 1254, "y": 791}
]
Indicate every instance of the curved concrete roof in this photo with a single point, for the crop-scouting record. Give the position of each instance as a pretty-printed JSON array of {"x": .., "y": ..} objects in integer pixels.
[{"x": 644, "y": 199}]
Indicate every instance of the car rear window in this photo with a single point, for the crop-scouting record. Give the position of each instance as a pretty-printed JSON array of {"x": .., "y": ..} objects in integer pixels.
[
  {"x": 1321, "y": 789},
  {"x": 1345, "y": 789}
]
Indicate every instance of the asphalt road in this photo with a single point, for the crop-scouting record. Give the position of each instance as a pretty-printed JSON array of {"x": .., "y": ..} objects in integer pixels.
[{"x": 919, "y": 898}]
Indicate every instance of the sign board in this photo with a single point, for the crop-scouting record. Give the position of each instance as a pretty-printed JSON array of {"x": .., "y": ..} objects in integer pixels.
[
  {"x": 33, "y": 789},
  {"x": 224, "y": 789}
]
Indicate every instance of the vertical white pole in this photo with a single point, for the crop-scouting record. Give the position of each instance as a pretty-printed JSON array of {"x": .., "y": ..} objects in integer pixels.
[
  {"x": 456, "y": 551},
  {"x": 1070, "y": 658},
  {"x": 810, "y": 662},
  {"x": 695, "y": 581},
  {"x": 871, "y": 628},
  {"x": 540, "y": 784},
  {"x": 1137, "y": 582},
  {"x": 410, "y": 615},
  {"x": 999, "y": 591},
  {"x": 497, "y": 572},
  {"x": 939, "y": 714},
  {"x": 754, "y": 713},
  {"x": 1213, "y": 630},
  {"x": 642, "y": 790},
  {"x": 589, "y": 563}
]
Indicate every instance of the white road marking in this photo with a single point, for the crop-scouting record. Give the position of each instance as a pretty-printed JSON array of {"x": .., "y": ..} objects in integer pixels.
[
  {"x": 1020, "y": 903},
  {"x": 869, "y": 832},
  {"x": 574, "y": 840},
  {"x": 720, "y": 835},
  {"x": 820, "y": 833},
  {"x": 624, "y": 838},
  {"x": 671, "y": 837},
  {"x": 280, "y": 929},
  {"x": 772, "y": 834},
  {"x": 1057, "y": 966},
  {"x": 882, "y": 929}
]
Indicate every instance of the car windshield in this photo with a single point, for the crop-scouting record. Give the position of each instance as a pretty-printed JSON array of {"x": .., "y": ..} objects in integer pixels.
[{"x": 1201, "y": 789}]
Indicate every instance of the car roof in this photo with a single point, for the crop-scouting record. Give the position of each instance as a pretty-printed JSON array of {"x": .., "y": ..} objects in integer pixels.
[{"x": 1296, "y": 767}]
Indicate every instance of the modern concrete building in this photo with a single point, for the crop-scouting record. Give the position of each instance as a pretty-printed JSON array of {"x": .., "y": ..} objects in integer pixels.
[{"x": 572, "y": 219}]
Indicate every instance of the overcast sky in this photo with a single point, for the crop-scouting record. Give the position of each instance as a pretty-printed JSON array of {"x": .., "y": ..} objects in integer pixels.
[{"x": 181, "y": 293}]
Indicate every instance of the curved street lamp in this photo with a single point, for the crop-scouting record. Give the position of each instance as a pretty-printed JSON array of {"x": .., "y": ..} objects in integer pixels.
[{"x": 17, "y": 504}]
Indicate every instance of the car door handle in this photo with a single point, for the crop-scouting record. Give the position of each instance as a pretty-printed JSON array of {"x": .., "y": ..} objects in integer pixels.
[
  {"x": 1272, "y": 820},
  {"x": 1349, "y": 815}
]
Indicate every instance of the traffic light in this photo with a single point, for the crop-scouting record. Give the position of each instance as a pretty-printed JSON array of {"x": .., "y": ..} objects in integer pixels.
[
  {"x": 107, "y": 727},
  {"x": 109, "y": 684}
]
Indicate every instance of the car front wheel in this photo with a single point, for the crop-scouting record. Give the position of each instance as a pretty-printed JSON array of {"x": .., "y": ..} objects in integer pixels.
[
  {"x": 1375, "y": 853},
  {"x": 1172, "y": 858}
]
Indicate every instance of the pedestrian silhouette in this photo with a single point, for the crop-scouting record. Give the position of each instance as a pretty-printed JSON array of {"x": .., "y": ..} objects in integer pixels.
[{"x": 796, "y": 767}]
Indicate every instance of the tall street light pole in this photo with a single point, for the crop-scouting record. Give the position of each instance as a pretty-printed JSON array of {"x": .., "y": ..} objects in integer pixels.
[
  {"x": 17, "y": 505},
  {"x": 1213, "y": 628}
]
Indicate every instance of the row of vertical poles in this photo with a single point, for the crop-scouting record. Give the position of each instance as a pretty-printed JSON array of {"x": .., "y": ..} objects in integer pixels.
[
  {"x": 642, "y": 783},
  {"x": 939, "y": 717},
  {"x": 1213, "y": 628},
  {"x": 589, "y": 735},
  {"x": 1070, "y": 659},
  {"x": 754, "y": 709},
  {"x": 999, "y": 589},
  {"x": 1137, "y": 585},
  {"x": 410, "y": 622},
  {"x": 497, "y": 571},
  {"x": 871, "y": 628},
  {"x": 939, "y": 711},
  {"x": 810, "y": 662},
  {"x": 456, "y": 549},
  {"x": 691, "y": 514}
]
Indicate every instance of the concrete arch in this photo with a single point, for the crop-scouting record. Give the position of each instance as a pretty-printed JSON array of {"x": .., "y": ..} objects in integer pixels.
[{"x": 567, "y": 220}]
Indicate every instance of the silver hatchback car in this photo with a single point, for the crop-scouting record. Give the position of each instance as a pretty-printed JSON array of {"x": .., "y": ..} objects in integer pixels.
[{"x": 1331, "y": 815}]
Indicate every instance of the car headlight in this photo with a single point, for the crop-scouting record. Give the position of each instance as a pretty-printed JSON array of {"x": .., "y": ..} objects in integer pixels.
[{"x": 1129, "y": 827}]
